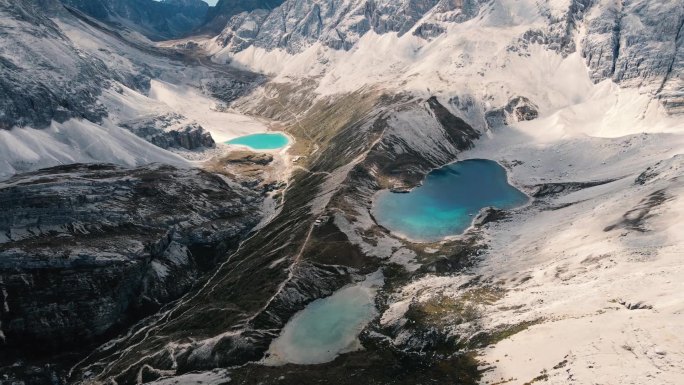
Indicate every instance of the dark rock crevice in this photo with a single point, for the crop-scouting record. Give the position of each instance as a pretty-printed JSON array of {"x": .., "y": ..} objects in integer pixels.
[
  {"x": 616, "y": 36},
  {"x": 674, "y": 56},
  {"x": 553, "y": 189},
  {"x": 637, "y": 218}
]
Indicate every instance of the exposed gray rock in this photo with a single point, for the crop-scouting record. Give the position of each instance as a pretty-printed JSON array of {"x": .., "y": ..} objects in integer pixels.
[
  {"x": 638, "y": 43},
  {"x": 296, "y": 24},
  {"x": 518, "y": 109},
  {"x": 489, "y": 214},
  {"x": 85, "y": 249},
  {"x": 171, "y": 130},
  {"x": 34, "y": 88},
  {"x": 662, "y": 170},
  {"x": 636, "y": 305},
  {"x": 429, "y": 30},
  {"x": 551, "y": 189},
  {"x": 229, "y": 88},
  {"x": 221, "y": 14},
  {"x": 242, "y": 29}
]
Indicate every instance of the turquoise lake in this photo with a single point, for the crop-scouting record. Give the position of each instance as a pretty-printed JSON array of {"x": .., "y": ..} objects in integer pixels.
[
  {"x": 447, "y": 201},
  {"x": 327, "y": 327},
  {"x": 270, "y": 141}
]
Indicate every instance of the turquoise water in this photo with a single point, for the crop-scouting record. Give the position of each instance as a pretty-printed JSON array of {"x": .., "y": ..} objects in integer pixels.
[
  {"x": 326, "y": 328},
  {"x": 447, "y": 201},
  {"x": 272, "y": 141}
]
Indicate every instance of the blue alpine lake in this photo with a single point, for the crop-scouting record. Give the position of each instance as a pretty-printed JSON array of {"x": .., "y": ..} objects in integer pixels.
[
  {"x": 270, "y": 141},
  {"x": 447, "y": 201}
]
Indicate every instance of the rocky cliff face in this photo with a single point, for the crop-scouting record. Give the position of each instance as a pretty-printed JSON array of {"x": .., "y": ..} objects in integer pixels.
[
  {"x": 86, "y": 249},
  {"x": 171, "y": 130},
  {"x": 219, "y": 15},
  {"x": 638, "y": 43},
  {"x": 296, "y": 24},
  {"x": 519, "y": 109},
  {"x": 41, "y": 72},
  {"x": 158, "y": 20},
  {"x": 634, "y": 43}
]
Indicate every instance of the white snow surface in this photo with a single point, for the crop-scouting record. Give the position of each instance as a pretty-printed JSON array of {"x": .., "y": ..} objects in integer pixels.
[
  {"x": 481, "y": 60},
  {"x": 217, "y": 376},
  {"x": 76, "y": 141},
  {"x": 176, "y": 91},
  {"x": 189, "y": 102},
  {"x": 567, "y": 269}
]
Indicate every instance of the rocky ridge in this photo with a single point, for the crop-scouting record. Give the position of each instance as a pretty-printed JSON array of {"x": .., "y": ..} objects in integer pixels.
[
  {"x": 171, "y": 130},
  {"x": 258, "y": 301},
  {"x": 633, "y": 43},
  {"x": 158, "y": 20},
  {"x": 87, "y": 249}
]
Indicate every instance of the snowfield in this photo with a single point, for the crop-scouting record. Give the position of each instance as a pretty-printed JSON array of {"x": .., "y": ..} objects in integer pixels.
[
  {"x": 77, "y": 141},
  {"x": 158, "y": 86},
  {"x": 188, "y": 101},
  {"x": 579, "y": 267},
  {"x": 597, "y": 272}
]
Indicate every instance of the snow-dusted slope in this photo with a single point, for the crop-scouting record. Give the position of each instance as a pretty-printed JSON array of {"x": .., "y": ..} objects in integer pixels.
[
  {"x": 43, "y": 76},
  {"x": 586, "y": 278},
  {"x": 73, "y": 90},
  {"x": 76, "y": 141},
  {"x": 488, "y": 50}
]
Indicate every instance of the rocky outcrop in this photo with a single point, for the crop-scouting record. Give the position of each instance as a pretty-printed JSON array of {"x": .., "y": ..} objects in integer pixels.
[
  {"x": 34, "y": 89},
  {"x": 86, "y": 249},
  {"x": 518, "y": 109},
  {"x": 488, "y": 215},
  {"x": 171, "y": 131},
  {"x": 191, "y": 136},
  {"x": 638, "y": 43},
  {"x": 552, "y": 189},
  {"x": 221, "y": 14},
  {"x": 296, "y": 24}
]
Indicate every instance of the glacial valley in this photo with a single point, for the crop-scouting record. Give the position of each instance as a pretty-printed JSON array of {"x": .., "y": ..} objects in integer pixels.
[{"x": 341, "y": 192}]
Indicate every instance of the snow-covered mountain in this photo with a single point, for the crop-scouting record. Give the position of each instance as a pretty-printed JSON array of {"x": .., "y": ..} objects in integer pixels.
[
  {"x": 581, "y": 101},
  {"x": 224, "y": 10},
  {"x": 636, "y": 44},
  {"x": 158, "y": 20},
  {"x": 76, "y": 90}
]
